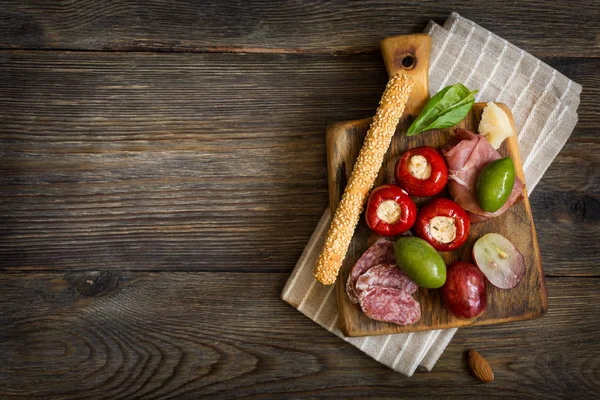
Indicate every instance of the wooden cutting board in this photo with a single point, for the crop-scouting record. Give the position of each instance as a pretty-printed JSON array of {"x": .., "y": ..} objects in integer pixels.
[{"x": 528, "y": 300}]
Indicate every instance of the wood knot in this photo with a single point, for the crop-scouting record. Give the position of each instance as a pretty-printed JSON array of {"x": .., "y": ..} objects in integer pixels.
[
  {"x": 587, "y": 207},
  {"x": 99, "y": 285}
]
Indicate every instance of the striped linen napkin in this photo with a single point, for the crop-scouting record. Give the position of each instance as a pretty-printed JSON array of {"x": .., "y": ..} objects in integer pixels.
[{"x": 544, "y": 104}]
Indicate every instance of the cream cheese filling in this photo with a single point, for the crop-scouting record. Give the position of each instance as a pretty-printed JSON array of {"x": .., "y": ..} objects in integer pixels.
[
  {"x": 389, "y": 211},
  {"x": 419, "y": 167},
  {"x": 443, "y": 229}
]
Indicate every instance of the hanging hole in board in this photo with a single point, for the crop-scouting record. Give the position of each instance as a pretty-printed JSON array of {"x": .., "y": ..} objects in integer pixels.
[{"x": 408, "y": 61}]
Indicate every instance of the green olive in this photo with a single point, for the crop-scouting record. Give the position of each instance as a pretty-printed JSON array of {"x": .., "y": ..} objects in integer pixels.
[
  {"x": 495, "y": 183},
  {"x": 420, "y": 262}
]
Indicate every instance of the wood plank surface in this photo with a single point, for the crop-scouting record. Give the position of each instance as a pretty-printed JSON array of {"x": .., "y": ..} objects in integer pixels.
[
  {"x": 117, "y": 165},
  {"x": 122, "y": 163},
  {"x": 580, "y": 70},
  {"x": 122, "y": 335},
  {"x": 338, "y": 26},
  {"x": 196, "y": 161},
  {"x": 154, "y": 161}
]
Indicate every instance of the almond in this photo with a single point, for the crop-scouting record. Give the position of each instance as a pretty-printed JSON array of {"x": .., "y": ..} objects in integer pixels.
[{"x": 480, "y": 367}]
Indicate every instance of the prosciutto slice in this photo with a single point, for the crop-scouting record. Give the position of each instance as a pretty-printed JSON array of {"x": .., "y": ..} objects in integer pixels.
[{"x": 467, "y": 154}]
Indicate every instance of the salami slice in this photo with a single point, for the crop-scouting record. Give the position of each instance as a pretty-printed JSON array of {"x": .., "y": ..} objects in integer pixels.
[
  {"x": 387, "y": 275},
  {"x": 381, "y": 252},
  {"x": 390, "y": 305}
]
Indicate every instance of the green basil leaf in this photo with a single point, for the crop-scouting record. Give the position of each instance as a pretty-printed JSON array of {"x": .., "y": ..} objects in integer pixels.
[
  {"x": 447, "y": 108},
  {"x": 450, "y": 118}
]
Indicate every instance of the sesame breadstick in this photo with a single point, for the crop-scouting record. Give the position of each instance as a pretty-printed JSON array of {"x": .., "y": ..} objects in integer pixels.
[{"x": 362, "y": 178}]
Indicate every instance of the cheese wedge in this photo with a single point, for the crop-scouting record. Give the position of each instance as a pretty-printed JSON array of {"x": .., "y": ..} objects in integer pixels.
[{"x": 495, "y": 125}]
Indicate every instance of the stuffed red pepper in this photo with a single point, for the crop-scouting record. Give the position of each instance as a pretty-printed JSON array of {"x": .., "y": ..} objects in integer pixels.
[
  {"x": 390, "y": 211},
  {"x": 443, "y": 223},
  {"x": 422, "y": 171}
]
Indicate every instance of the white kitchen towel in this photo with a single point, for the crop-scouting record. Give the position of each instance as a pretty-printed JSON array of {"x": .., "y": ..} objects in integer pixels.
[
  {"x": 543, "y": 101},
  {"x": 544, "y": 104}
]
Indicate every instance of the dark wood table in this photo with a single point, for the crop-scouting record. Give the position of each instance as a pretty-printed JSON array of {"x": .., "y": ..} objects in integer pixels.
[{"x": 162, "y": 164}]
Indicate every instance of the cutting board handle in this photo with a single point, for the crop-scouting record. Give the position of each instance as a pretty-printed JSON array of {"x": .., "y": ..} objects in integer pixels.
[{"x": 410, "y": 54}]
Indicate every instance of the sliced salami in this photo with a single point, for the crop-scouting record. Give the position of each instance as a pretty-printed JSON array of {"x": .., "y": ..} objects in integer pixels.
[
  {"x": 387, "y": 275},
  {"x": 390, "y": 305},
  {"x": 381, "y": 252}
]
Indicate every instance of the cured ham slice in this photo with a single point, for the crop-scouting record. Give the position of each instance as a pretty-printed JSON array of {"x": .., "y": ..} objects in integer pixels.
[{"x": 467, "y": 154}]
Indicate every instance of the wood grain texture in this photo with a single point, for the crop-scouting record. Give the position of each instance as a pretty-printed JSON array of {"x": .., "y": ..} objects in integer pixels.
[
  {"x": 409, "y": 54},
  {"x": 142, "y": 161},
  {"x": 566, "y": 208},
  {"x": 581, "y": 71},
  {"x": 196, "y": 161},
  {"x": 122, "y": 335},
  {"x": 167, "y": 161},
  {"x": 527, "y": 300},
  {"x": 290, "y": 26}
]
